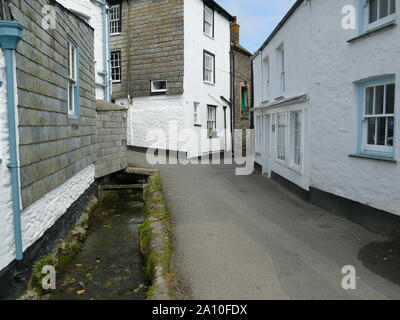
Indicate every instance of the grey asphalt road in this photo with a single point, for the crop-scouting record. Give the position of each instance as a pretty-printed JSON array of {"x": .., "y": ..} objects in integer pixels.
[{"x": 246, "y": 237}]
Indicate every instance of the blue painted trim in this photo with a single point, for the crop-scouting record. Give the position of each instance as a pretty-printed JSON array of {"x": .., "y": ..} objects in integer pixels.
[
  {"x": 10, "y": 35},
  {"x": 361, "y": 16},
  {"x": 360, "y": 113}
]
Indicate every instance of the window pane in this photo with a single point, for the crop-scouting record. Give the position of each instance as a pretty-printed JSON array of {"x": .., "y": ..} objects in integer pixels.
[
  {"x": 381, "y": 133},
  {"x": 392, "y": 8},
  {"x": 71, "y": 93},
  {"x": 373, "y": 10},
  {"x": 369, "y": 101},
  {"x": 379, "y": 99},
  {"x": 390, "y": 136},
  {"x": 383, "y": 8},
  {"x": 390, "y": 93},
  {"x": 371, "y": 131}
]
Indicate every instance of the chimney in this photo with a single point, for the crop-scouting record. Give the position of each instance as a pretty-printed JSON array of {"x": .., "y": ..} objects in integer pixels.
[{"x": 235, "y": 32}]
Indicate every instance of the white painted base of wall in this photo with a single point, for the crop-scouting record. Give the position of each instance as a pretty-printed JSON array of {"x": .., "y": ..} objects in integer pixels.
[{"x": 41, "y": 215}]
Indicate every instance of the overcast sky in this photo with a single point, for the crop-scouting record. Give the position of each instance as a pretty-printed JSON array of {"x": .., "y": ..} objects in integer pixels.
[{"x": 257, "y": 18}]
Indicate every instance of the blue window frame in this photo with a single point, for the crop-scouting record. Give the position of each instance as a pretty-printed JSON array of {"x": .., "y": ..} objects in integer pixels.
[
  {"x": 373, "y": 14},
  {"x": 377, "y": 116},
  {"x": 73, "y": 67}
]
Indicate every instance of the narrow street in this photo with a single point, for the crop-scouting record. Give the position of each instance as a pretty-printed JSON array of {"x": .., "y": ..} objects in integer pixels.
[{"x": 248, "y": 238}]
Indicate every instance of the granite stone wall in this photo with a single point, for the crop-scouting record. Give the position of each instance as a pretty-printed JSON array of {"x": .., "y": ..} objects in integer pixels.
[
  {"x": 112, "y": 136},
  {"x": 152, "y": 46}
]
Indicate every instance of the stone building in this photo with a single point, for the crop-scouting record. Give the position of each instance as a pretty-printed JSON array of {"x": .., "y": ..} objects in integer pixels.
[
  {"x": 171, "y": 67},
  {"x": 241, "y": 84},
  {"x": 50, "y": 130},
  {"x": 327, "y": 107}
]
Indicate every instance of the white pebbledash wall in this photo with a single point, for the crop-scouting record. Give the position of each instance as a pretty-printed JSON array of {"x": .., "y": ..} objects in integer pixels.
[
  {"x": 94, "y": 12},
  {"x": 6, "y": 216},
  {"x": 315, "y": 41},
  {"x": 156, "y": 113}
]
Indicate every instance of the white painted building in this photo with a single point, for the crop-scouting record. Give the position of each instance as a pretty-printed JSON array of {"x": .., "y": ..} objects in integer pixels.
[
  {"x": 327, "y": 97},
  {"x": 96, "y": 13},
  {"x": 198, "y": 121}
]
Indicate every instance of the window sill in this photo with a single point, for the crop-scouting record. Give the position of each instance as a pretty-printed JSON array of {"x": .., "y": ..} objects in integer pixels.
[
  {"x": 376, "y": 158},
  {"x": 384, "y": 26},
  {"x": 208, "y": 36},
  {"x": 209, "y": 83},
  {"x": 115, "y": 34}
]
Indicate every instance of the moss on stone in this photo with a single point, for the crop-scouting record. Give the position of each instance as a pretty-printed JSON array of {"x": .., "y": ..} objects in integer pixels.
[{"x": 155, "y": 241}]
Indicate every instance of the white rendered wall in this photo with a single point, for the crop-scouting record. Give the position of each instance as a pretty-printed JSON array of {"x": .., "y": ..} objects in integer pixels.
[
  {"x": 334, "y": 65},
  {"x": 333, "y": 124},
  {"x": 194, "y": 87},
  {"x": 295, "y": 38},
  {"x": 6, "y": 216},
  {"x": 94, "y": 12},
  {"x": 41, "y": 215},
  {"x": 155, "y": 114}
]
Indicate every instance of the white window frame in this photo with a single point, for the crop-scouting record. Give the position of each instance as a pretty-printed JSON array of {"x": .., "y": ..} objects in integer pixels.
[
  {"x": 282, "y": 68},
  {"x": 285, "y": 140},
  {"x": 380, "y": 21},
  {"x": 377, "y": 148},
  {"x": 212, "y": 119},
  {"x": 196, "y": 106},
  {"x": 267, "y": 78},
  {"x": 208, "y": 20},
  {"x": 115, "y": 19},
  {"x": 293, "y": 130},
  {"x": 116, "y": 66},
  {"x": 72, "y": 78},
  {"x": 209, "y": 69},
  {"x": 154, "y": 90}
]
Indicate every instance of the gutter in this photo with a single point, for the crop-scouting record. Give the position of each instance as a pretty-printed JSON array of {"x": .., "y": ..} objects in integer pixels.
[{"x": 10, "y": 35}]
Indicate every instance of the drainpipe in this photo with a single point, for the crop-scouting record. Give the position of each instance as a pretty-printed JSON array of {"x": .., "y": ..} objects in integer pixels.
[
  {"x": 106, "y": 41},
  {"x": 10, "y": 35}
]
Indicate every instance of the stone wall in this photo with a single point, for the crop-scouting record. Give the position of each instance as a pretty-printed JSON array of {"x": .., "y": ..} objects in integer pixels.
[
  {"x": 242, "y": 78},
  {"x": 53, "y": 148},
  {"x": 154, "y": 31},
  {"x": 112, "y": 135}
]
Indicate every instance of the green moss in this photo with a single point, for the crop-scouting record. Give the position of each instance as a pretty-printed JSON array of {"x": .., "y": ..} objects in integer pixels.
[{"x": 156, "y": 210}]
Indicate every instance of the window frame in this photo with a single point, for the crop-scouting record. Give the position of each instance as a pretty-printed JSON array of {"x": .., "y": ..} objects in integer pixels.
[
  {"x": 286, "y": 144},
  {"x": 73, "y": 78},
  {"x": 154, "y": 91},
  {"x": 363, "y": 148},
  {"x": 117, "y": 22},
  {"x": 214, "y": 108},
  {"x": 282, "y": 68},
  {"x": 292, "y": 145},
  {"x": 196, "y": 113},
  {"x": 207, "y": 53},
  {"x": 116, "y": 67},
  {"x": 212, "y": 24},
  {"x": 267, "y": 77},
  {"x": 379, "y": 21}
]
